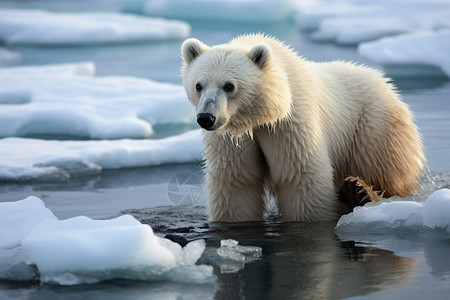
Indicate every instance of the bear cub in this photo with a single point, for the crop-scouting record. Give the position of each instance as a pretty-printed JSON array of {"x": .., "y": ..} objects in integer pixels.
[{"x": 318, "y": 137}]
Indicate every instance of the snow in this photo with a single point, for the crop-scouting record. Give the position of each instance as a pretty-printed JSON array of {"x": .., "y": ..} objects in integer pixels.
[
  {"x": 434, "y": 213},
  {"x": 50, "y": 160},
  {"x": 421, "y": 48},
  {"x": 68, "y": 100},
  {"x": 37, "y": 27},
  {"x": 82, "y": 250},
  {"x": 240, "y": 11}
]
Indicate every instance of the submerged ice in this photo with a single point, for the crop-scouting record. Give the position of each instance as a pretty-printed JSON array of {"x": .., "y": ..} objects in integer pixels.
[{"x": 81, "y": 250}]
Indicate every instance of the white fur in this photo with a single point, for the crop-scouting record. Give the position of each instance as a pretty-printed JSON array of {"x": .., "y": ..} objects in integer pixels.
[{"x": 302, "y": 127}]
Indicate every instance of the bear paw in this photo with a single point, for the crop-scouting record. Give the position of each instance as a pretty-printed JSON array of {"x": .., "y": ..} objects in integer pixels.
[{"x": 355, "y": 192}]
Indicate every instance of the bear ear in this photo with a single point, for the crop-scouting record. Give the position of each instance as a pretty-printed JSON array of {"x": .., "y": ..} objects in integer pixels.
[
  {"x": 260, "y": 54},
  {"x": 192, "y": 48}
]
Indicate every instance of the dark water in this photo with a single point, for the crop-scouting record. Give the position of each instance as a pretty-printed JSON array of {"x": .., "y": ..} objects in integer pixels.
[{"x": 299, "y": 260}]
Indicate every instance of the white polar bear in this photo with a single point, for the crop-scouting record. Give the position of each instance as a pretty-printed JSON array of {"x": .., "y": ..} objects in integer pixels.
[{"x": 281, "y": 125}]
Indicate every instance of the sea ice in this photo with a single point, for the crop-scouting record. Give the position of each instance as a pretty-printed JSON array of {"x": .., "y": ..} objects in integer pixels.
[
  {"x": 81, "y": 250},
  {"x": 434, "y": 213},
  {"x": 390, "y": 32},
  {"x": 33, "y": 159},
  {"x": 243, "y": 11},
  {"x": 420, "y": 48},
  {"x": 17, "y": 219},
  {"x": 352, "y": 21},
  {"x": 436, "y": 210},
  {"x": 68, "y": 100},
  {"x": 37, "y": 27}
]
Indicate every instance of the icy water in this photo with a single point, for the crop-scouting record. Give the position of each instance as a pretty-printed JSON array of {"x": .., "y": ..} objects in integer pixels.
[{"x": 299, "y": 260}]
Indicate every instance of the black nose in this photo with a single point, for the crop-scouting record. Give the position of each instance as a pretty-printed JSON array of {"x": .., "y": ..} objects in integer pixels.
[{"x": 206, "y": 120}]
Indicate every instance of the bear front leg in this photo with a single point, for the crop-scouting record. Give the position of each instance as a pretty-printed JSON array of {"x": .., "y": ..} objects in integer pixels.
[
  {"x": 234, "y": 179},
  {"x": 309, "y": 195}
]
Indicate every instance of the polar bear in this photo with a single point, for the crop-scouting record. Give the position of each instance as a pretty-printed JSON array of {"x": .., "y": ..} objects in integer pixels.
[{"x": 279, "y": 125}]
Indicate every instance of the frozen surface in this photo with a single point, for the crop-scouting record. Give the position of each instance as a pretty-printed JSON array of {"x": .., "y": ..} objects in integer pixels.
[
  {"x": 39, "y": 27},
  {"x": 69, "y": 100},
  {"x": 29, "y": 211},
  {"x": 45, "y": 160},
  {"x": 421, "y": 48},
  {"x": 82, "y": 250},
  {"x": 353, "y": 21},
  {"x": 418, "y": 29},
  {"x": 434, "y": 213},
  {"x": 243, "y": 11}
]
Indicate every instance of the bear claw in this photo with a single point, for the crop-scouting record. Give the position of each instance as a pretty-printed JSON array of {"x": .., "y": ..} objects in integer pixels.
[{"x": 355, "y": 192}]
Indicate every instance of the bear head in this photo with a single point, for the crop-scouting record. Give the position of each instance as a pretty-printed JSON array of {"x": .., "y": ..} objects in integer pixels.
[{"x": 235, "y": 88}]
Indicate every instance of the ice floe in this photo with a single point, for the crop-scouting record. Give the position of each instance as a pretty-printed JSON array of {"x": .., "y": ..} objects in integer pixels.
[
  {"x": 421, "y": 48},
  {"x": 244, "y": 11},
  {"x": 68, "y": 100},
  {"x": 82, "y": 250},
  {"x": 353, "y": 21},
  {"x": 434, "y": 213},
  {"x": 23, "y": 159},
  {"x": 392, "y": 33},
  {"x": 37, "y": 27}
]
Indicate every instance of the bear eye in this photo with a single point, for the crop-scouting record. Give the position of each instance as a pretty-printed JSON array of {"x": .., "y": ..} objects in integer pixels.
[
  {"x": 198, "y": 87},
  {"x": 228, "y": 87}
]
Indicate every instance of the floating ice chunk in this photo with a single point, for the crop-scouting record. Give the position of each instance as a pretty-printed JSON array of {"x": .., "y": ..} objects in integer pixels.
[
  {"x": 436, "y": 210},
  {"x": 231, "y": 11},
  {"x": 82, "y": 250},
  {"x": 57, "y": 100},
  {"x": 421, "y": 48},
  {"x": 44, "y": 160},
  {"x": 396, "y": 214},
  {"x": 17, "y": 219},
  {"x": 409, "y": 215},
  {"x": 234, "y": 256},
  {"x": 47, "y": 28}
]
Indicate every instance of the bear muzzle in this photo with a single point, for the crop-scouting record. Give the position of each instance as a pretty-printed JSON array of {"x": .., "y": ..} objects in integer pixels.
[{"x": 206, "y": 120}]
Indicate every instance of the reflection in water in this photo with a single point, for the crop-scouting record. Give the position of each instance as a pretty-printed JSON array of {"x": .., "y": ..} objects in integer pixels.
[{"x": 307, "y": 261}]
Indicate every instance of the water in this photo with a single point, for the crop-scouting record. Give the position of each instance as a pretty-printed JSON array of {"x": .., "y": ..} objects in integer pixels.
[{"x": 299, "y": 260}]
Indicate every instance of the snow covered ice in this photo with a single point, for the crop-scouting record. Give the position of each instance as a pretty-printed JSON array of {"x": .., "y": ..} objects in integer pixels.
[
  {"x": 392, "y": 214},
  {"x": 422, "y": 48},
  {"x": 68, "y": 100},
  {"x": 37, "y": 27},
  {"x": 417, "y": 30},
  {"x": 267, "y": 11},
  {"x": 82, "y": 250},
  {"x": 46, "y": 160}
]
